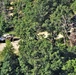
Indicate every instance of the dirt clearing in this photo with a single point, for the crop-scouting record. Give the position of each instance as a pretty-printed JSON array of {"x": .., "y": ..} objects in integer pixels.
[{"x": 14, "y": 43}]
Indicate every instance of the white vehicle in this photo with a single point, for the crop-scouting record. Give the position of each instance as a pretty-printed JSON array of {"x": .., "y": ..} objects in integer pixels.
[
  {"x": 2, "y": 39},
  {"x": 8, "y": 36}
]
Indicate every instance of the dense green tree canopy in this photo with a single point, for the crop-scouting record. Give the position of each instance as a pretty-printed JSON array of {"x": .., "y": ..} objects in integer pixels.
[{"x": 38, "y": 56}]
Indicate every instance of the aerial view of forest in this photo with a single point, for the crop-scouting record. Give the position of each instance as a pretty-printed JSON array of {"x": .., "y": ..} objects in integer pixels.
[{"x": 37, "y": 37}]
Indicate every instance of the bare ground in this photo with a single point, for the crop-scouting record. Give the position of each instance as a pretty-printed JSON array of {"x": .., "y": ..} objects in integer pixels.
[{"x": 14, "y": 43}]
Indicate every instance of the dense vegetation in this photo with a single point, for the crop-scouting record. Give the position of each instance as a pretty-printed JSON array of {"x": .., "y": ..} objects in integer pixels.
[{"x": 38, "y": 55}]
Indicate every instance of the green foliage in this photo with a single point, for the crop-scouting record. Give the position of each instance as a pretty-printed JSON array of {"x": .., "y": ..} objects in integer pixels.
[
  {"x": 73, "y": 7},
  {"x": 10, "y": 64},
  {"x": 38, "y": 56},
  {"x": 67, "y": 2},
  {"x": 8, "y": 48},
  {"x": 70, "y": 67}
]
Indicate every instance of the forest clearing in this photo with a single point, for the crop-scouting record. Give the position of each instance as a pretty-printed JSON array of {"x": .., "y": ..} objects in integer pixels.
[{"x": 14, "y": 44}]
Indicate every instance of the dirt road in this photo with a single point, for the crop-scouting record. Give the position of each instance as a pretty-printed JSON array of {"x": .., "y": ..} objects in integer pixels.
[{"x": 14, "y": 43}]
